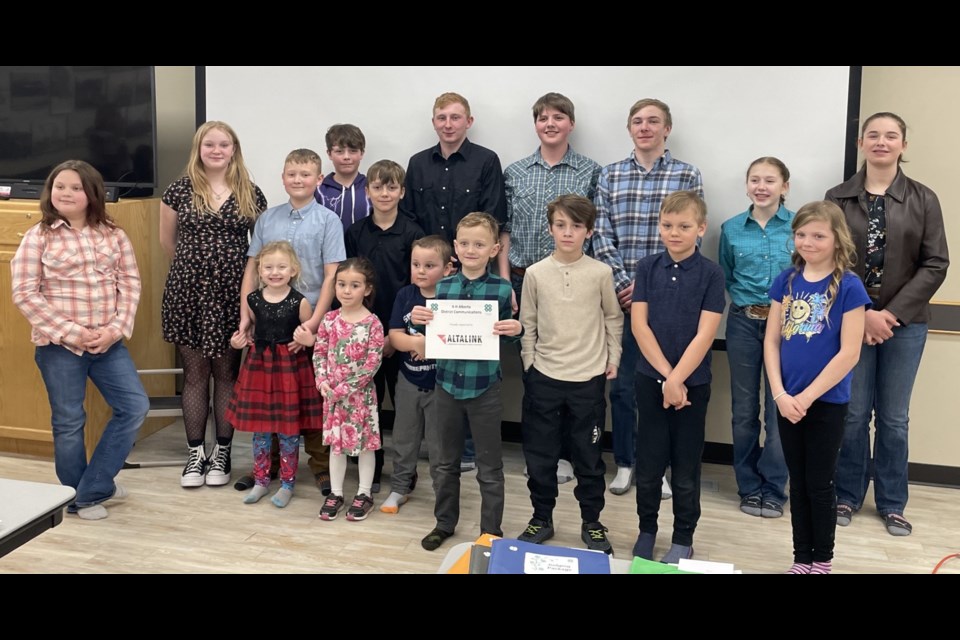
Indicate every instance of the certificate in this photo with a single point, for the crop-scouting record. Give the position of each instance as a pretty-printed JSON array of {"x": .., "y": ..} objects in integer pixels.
[{"x": 463, "y": 330}]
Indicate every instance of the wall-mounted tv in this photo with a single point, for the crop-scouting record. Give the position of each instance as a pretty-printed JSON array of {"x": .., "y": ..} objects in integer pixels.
[{"x": 105, "y": 115}]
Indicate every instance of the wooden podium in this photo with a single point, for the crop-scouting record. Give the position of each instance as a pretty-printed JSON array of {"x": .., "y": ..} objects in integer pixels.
[{"x": 24, "y": 408}]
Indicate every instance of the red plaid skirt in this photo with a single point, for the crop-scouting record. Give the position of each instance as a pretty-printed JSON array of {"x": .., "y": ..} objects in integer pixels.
[{"x": 276, "y": 392}]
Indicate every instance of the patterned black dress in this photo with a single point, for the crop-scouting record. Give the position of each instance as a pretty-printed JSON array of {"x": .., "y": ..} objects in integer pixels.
[
  {"x": 276, "y": 391},
  {"x": 201, "y": 300}
]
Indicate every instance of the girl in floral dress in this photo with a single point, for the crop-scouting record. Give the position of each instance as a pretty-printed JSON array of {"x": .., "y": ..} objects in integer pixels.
[{"x": 346, "y": 356}]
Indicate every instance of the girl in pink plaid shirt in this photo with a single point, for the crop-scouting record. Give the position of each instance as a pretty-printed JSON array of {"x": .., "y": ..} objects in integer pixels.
[{"x": 76, "y": 281}]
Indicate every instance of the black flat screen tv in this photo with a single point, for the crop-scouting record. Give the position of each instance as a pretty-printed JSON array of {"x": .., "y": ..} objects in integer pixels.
[{"x": 104, "y": 115}]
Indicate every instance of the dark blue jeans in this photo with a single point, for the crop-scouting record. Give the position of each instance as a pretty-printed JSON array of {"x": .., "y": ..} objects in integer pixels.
[
  {"x": 882, "y": 385},
  {"x": 65, "y": 376},
  {"x": 623, "y": 400},
  {"x": 760, "y": 471}
]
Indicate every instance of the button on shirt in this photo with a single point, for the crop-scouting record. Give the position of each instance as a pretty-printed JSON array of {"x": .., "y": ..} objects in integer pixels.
[
  {"x": 65, "y": 280},
  {"x": 628, "y": 210},
  {"x": 531, "y": 184},
  {"x": 441, "y": 191},
  {"x": 465, "y": 379},
  {"x": 752, "y": 256},
  {"x": 316, "y": 234},
  {"x": 676, "y": 293}
]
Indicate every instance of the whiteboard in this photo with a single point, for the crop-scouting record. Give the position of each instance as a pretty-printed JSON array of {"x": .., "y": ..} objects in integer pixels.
[{"x": 723, "y": 117}]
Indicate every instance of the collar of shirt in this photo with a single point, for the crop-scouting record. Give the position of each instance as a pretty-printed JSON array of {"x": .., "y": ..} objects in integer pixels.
[
  {"x": 661, "y": 162},
  {"x": 302, "y": 212},
  {"x": 372, "y": 227},
  {"x": 571, "y": 158},
  {"x": 782, "y": 214},
  {"x": 463, "y": 151},
  {"x": 464, "y": 280},
  {"x": 667, "y": 262},
  {"x": 856, "y": 186}
]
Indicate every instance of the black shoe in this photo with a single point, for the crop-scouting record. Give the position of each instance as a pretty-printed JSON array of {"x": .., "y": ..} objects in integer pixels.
[
  {"x": 538, "y": 531},
  {"x": 594, "y": 535},
  {"x": 434, "y": 539}
]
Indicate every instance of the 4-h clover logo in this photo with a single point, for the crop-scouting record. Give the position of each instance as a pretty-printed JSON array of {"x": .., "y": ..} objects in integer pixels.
[
  {"x": 434, "y": 306},
  {"x": 487, "y": 308}
]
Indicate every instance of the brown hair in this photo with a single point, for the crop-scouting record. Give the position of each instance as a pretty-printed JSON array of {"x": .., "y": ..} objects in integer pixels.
[
  {"x": 651, "y": 102},
  {"x": 557, "y": 101},
  {"x": 901, "y": 124},
  {"x": 777, "y": 164},
  {"x": 345, "y": 135},
  {"x": 577, "y": 208},
  {"x": 385, "y": 172},
  {"x": 93, "y": 187},
  {"x": 435, "y": 243},
  {"x": 364, "y": 267},
  {"x": 238, "y": 177}
]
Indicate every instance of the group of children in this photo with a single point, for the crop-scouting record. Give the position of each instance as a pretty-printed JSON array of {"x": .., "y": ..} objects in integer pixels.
[{"x": 816, "y": 308}]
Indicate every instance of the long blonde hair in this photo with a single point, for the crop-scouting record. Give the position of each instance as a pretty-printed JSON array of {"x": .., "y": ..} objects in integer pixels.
[
  {"x": 844, "y": 254},
  {"x": 238, "y": 177}
]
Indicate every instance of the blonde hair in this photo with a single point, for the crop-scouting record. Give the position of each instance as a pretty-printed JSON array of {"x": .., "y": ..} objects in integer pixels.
[
  {"x": 481, "y": 219},
  {"x": 285, "y": 248},
  {"x": 237, "y": 178},
  {"x": 844, "y": 254},
  {"x": 681, "y": 201}
]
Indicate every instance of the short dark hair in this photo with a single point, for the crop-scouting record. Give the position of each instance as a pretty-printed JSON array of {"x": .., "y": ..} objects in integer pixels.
[
  {"x": 386, "y": 171},
  {"x": 577, "y": 208},
  {"x": 557, "y": 101},
  {"x": 345, "y": 135}
]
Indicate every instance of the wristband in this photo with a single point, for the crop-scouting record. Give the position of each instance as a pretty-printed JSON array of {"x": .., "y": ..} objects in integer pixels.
[{"x": 782, "y": 393}]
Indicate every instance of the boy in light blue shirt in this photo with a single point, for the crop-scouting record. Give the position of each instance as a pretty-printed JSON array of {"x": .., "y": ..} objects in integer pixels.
[{"x": 316, "y": 234}]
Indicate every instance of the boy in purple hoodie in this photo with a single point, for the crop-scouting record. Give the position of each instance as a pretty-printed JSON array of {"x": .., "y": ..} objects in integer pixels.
[{"x": 343, "y": 191}]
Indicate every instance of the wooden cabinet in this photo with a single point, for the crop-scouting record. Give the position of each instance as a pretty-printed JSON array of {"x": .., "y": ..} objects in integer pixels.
[{"x": 24, "y": 409}]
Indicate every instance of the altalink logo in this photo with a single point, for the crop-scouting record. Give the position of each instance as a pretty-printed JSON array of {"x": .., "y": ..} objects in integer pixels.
[
  {"x": 434, "y": 306},
  {"x": 460, "y": 338},
  {"x": 487, "y": 308}
]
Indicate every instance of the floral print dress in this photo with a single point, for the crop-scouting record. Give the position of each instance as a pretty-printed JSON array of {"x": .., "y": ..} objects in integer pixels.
[{"x": 346, "y": 357}]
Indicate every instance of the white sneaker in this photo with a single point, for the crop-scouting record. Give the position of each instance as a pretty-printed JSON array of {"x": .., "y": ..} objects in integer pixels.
[
  {"x": 219, "y": 473},
  {"x": 195, "y": 469},
  {"x": 564, "y": 471},
  {"x": 622, "y": 482},
  {"x": 665, "y": 491}
]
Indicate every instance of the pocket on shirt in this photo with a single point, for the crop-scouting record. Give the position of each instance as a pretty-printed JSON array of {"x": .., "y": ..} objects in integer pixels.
[
  {"x": 67, "y": 262},
  {"x": 467, "y": 198},
  {"x": 107, "y": 258}
]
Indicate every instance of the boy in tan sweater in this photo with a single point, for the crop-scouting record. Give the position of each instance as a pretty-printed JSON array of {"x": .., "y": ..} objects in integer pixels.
[{"x": 571, "y": 346}]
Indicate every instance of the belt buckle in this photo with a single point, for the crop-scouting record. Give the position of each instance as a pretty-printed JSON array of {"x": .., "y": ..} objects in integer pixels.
[{"x": 756, "y": 312}]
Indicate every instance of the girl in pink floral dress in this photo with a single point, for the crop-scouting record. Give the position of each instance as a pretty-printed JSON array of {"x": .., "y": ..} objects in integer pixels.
[{"x": 346, "y": 356}]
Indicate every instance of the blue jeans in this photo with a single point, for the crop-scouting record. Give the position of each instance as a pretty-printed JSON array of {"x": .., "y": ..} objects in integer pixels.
[
  {"x": 760, "y": 471},
  {"x": 65, "y": 376},
  {"x": 882, "y": 386},
  {"x": 623, "y": 400}
]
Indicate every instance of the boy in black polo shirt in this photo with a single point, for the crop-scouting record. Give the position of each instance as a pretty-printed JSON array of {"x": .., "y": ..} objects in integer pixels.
[
  {"x": 678, "y": 299},
  {"x": 386, "y": 239}
]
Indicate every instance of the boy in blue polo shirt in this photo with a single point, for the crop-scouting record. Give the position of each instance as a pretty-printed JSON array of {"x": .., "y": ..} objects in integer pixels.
[
  {"x": 317, "y": 238},
  {"x": 678, "y": 300}
]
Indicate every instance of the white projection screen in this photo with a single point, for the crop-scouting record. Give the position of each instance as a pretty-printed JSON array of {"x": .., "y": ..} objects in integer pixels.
[{"x": 723, "y": 117}]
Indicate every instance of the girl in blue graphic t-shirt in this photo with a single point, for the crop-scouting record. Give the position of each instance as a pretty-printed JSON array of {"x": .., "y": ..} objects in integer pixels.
[{"x": 811, "y": 345}]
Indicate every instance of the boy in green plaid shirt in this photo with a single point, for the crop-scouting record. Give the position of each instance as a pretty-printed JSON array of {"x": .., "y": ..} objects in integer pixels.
[{"x": 471, "y": 388}]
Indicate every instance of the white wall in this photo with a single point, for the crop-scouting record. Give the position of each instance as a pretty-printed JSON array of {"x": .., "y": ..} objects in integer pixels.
[{"x": 724, "y": 117}]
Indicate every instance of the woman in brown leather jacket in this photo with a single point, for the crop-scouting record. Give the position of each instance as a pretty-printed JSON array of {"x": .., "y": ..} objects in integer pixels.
[{"x": 897, "y": 227}]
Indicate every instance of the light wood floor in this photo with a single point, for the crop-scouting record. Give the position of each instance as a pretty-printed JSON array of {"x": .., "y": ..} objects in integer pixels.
[{"x": 162, "y": 528}]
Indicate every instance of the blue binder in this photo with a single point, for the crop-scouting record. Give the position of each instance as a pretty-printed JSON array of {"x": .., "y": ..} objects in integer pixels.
[{"x": 513, "y": 556}]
